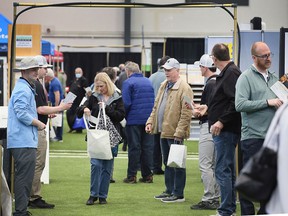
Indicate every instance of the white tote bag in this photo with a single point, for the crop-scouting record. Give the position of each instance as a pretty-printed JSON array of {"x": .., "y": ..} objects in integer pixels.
[
  {"x": 98, "y": 142},
  {"x": 177, "y": 156}
]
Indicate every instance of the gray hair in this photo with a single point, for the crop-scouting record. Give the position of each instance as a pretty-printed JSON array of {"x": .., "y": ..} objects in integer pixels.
[{"x": 132, "y": 67}]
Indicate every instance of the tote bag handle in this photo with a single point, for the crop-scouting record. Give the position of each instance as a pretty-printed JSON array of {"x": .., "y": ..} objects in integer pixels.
[{"x": 86, "y": 119}]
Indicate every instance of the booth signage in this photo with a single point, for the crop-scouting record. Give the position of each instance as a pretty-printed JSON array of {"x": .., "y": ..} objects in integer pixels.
[{"x": 23, "y": 41}]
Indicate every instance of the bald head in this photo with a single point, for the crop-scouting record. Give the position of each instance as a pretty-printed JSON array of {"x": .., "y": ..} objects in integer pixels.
[
  {"x": 259, "y": 47},
  {"x": 78, "y": 72}
]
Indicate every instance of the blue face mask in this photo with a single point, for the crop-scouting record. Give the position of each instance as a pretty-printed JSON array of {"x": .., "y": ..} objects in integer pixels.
[{"x": 78, "y": 75}]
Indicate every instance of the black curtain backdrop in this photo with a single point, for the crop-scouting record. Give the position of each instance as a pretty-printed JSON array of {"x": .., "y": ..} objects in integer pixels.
[
  {"x": 185, "y": 50},
  {"x": 156, "y": 53},
  {"x": 118, "y": 58},
  {"x": 89, "y": 62}
]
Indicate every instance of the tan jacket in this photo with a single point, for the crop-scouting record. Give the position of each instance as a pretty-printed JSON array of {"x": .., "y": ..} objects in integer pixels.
[{"x": 177, "y": 118}]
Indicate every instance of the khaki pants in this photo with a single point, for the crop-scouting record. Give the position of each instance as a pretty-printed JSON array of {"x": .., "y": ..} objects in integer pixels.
[{"x": 40, "y": 164}]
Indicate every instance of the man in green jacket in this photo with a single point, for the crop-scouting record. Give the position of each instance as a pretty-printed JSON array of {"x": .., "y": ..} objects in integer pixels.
[{"x": 257, "y": 104}]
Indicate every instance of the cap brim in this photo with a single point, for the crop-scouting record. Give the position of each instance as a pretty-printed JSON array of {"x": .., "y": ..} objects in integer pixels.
[{"x": 167, "y": 67}]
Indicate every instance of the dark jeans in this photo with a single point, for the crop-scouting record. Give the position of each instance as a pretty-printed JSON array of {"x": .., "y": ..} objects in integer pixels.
[
  {"x": 24, "y": 163},
  {"x": 250, "y": 147},
  {"x": 157, "y": 154},
  {"x": 175, "y": 178},
  {"x": 225, "y": 144},
  {"x": 140, "y": 150}
]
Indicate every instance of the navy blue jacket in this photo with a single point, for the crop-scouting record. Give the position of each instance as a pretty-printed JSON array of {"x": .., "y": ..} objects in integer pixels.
[{"x": 138, "y": 98}]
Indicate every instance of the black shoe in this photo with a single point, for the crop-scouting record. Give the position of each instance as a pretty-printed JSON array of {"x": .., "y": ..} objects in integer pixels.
[
  {"x": 112, "y": 181},
  {"x": 148, "y": 179},
  {"x": 40, "y": 203},
  {"x": 158, "y": 172},
  {"x": 70, "y": 131},
  {"x": 91, "y": 200},
  {"x": 205, "y": 205},
  {"x": 102, "y": 201}
]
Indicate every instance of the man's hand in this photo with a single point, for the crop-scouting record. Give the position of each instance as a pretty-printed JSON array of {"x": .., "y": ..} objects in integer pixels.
[
  {"x": 65, "y": 106},
  {"x": 41, "y": 126},
  {"x": 216, "y": 128},
  {"x": 276, "y": 102},
  {"x": 148, "y": 128}
]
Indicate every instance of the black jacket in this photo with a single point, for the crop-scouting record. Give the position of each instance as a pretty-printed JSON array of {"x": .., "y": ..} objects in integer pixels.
[{"x": 222, "y": 104}]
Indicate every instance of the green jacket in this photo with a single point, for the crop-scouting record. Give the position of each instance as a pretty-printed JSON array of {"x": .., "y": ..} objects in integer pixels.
[{"x": 252, "y": 93}]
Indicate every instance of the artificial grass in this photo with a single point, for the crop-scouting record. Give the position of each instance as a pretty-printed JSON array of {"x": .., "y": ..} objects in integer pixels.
[{"x": 70, "y": 183}]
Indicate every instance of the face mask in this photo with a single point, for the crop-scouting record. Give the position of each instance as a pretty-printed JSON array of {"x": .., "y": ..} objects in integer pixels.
[{"x": 78, "y": 75}]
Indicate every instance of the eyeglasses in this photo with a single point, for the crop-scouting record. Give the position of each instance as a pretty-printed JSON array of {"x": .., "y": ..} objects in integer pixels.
[{"x": 265, "y": 56}]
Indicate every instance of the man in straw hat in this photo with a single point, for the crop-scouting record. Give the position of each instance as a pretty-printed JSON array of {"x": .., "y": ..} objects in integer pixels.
[
  {"x": 43, "y": 111},
  {"x": 22, "y": 132}
]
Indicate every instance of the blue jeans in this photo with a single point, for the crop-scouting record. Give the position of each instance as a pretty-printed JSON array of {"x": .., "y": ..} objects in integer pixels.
[
  {"x": 175, "y": 178},
  {"x": 225, "y": 144},
  {"x": 140, "y": 150},
  {"x": 250, "y": 147},
  {"x": 100, "y": 177}
]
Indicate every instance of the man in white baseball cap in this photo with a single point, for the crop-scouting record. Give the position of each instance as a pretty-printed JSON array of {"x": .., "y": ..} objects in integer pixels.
[
  {"x": 210, "y": 198},
  {"x": 171, "y": 63}
]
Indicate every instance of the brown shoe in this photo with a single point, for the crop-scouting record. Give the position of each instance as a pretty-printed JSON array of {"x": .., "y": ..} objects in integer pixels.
[
  {"x": 130, "y": 180},
  {"x": 148, "y": 179}
]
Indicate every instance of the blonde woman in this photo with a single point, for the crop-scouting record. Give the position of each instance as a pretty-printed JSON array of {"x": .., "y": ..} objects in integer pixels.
[{"x": 105, "y": 96}]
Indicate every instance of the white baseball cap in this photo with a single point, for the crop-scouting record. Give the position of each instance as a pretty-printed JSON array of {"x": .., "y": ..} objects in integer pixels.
[
  {"x": 27, "y": 63},
  {"x": 171, "y": 63},
  {"x": 42, "y": 61},
  {"x": 206, "y": 61}
]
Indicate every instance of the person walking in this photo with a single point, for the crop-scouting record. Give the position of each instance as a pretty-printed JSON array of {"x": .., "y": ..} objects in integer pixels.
[
  {"x": 22, "y": 133},
  {"x": 257, "y": 104},
  {"x": 171, "y": 118},
  {"x": 207, "y": 154},
  {"x": 138, "y": 98},
  {"x": 107, "y": 97},
  {"x": 225, "y": 126}
]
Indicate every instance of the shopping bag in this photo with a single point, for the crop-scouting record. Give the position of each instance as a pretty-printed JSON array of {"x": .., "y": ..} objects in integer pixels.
[
  {"x": 57, "y": 120},
  {"x": 177, "y": 156},
  {"x": 98, "y": 142},
  {"x": 257, "y": 180},
  {"x": 79, "y": 124}
]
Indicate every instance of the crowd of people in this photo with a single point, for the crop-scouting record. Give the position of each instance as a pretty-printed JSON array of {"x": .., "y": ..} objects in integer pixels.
[{"x": 235, "y": 109}]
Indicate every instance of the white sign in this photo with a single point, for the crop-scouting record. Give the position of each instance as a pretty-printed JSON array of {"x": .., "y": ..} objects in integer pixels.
[
  {"x": 23, "y": 41},
  {"x": 3, "y": 116}
]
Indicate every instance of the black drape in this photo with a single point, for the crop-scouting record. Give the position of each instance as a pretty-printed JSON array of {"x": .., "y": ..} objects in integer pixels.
[
  {"x": 89, "y": 62},
  {"x": 156, "y": 53},
  {"x": 185, "y": 50},
  {"x": 118, "y": 58}
]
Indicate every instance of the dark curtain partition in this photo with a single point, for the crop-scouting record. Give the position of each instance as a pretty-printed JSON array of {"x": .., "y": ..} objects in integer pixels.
[
  {"x": 185, "y": 50},
  {"x": 89, "y": 62},
  {"x": 118, "y": 58},
  {"x": 156, "y": 53}
]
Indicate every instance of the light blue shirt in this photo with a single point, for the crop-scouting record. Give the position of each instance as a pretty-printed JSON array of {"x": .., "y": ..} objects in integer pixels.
[{"x": 21, "y": 112}]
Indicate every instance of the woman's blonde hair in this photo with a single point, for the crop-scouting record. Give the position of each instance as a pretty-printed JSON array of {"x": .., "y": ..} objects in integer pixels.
[{"x": 103, "y": 77}]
